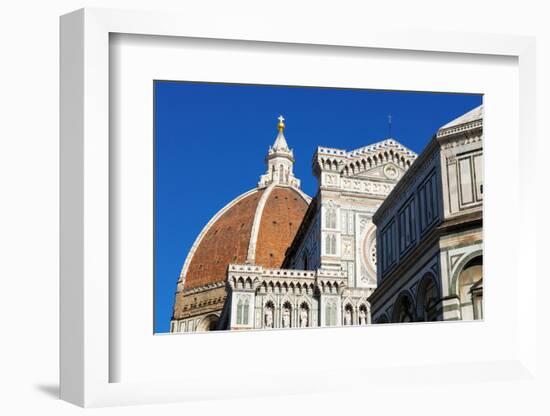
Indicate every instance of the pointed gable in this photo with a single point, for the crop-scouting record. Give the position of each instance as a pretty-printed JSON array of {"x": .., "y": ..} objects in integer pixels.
[{"x": 387, "y": 159}]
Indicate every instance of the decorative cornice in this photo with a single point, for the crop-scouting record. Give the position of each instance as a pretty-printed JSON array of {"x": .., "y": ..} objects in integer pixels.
[
  {"x": 365, "y": 150},
  {"x": 460, "y": 128},
  {"x": 462, "y": 138},
  {"x": 204, "y": 288},
  {"x": 349, "y": 164},
  {"x": 257, "y": 275}
]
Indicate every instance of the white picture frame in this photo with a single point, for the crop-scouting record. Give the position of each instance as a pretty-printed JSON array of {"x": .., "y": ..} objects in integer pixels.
[{"x": 87, "y": 302}]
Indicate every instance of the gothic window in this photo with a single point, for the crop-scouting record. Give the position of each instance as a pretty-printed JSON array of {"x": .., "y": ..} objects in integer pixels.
[
  {"x": 330, "y": 221},
  {"x": 268, "y": 315},
  {"x": 286, "y": 315},
  {"x": 280, "y": 173},
  {"x": 330, "y": 243},
  {"x": 242, "y": 311},
  {"x": 362, "y": 315},
  {"x": 348, "y": 315},
  {"x": 304, "y": 315}
]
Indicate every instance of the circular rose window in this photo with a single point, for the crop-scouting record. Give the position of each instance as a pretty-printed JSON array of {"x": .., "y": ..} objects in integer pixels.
[
  {"x": 369, "y": 250},
  {"x": 372, "y": 253}
]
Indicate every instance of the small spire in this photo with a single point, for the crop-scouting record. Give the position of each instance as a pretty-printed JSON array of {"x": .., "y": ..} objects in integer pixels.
[
  {"x": 279, "y": 160},
  {"x": 281, "y": 125},
  {"x": 280, "y": 142}
]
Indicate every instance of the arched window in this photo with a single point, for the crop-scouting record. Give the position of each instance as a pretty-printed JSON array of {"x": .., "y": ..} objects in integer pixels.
[
  {"x": 286, "y": 315},
  {"x": 348, "y": 315},
  {"x": 330, "y": 243},
  {"x": 363, "y": 315},
  {"x": 280, "y": 173},
  {"x": 268, "y": 314},
  {"x": 427, "y": 300},
  {"x": 330, "y": 221},
  {"x": 209, "y": 323},
  {"x": 470, "y": 289},
  {"x": 242, "y": 311},
  {"x": 304, "y": 315},
  {"x": 403, "y": 309}
]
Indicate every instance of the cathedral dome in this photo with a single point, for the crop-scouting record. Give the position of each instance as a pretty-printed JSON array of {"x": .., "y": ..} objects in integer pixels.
[{"x": 256, "y": 227}]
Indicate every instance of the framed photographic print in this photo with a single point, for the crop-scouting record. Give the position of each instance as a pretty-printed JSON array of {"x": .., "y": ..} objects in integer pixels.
[
  {"x": 294, "y": 213},
  {"x": 299, "y": 249}
]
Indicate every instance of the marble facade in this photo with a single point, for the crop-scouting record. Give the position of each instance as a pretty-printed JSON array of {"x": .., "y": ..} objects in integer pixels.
[{"x": 430, "y": 232}]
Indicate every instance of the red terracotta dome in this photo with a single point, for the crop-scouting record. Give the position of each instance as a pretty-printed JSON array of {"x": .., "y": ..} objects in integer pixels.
[{"x": 256, "y": 227}]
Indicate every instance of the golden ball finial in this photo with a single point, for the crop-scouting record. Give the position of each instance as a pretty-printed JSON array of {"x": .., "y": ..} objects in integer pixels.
[{"x": 281, "y": 125}]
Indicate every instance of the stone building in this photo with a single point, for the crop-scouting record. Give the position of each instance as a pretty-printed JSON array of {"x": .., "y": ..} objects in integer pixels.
[
  {"x": 256, "y": 228},
  {"x": 429, "y": 231},
  {"x": 275, "y": 258}
]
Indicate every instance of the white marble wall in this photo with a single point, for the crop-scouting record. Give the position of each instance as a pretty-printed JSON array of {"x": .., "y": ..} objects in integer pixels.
[{"x": 430, "y": 226}]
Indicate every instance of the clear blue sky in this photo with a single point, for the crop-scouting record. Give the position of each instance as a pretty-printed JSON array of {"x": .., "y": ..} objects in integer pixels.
[{"x": 211, "y": 140}]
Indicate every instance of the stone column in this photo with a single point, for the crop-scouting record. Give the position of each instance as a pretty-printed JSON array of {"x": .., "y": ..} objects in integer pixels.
[{"x": 448, "y": 309}]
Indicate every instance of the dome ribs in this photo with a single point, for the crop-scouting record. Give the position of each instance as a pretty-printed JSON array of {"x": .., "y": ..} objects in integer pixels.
[
  {"x": 282, "y": 215},
  {"x": 228, "y": 238},
  {"x": 225, "y": 242}
]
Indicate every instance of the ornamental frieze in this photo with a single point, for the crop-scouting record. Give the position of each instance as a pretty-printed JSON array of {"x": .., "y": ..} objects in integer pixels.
[{"x": 369, "y": 187}]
